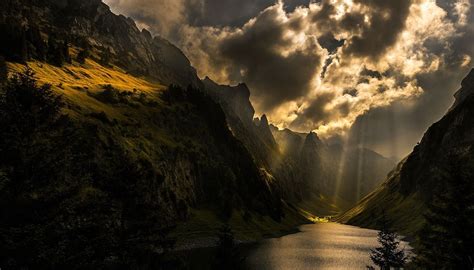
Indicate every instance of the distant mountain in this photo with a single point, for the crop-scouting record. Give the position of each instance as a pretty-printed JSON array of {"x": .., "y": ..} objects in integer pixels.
[
  {"x": 304, "y": 168},
  {"x": 334, "y": 171},
  {"x": 446, "y": 146}
]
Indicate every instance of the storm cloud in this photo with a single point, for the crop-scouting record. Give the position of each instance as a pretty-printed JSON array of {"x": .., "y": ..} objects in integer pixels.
[{"x": 337, "y": 67}]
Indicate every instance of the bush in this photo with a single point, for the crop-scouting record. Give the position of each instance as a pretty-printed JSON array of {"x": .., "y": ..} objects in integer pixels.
[
  {"x": 105, "y": 57},
  {"x": 14, "y": 44},
  {"x": 56, "y": 51},
  {"x": 82, "y": 56}
]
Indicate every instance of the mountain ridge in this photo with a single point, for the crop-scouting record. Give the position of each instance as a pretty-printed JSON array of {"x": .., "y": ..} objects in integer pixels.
[{"x": 404, "y": 196}]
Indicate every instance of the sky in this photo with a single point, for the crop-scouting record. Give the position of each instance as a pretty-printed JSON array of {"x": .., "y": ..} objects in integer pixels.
[{"x": 373, "y": 73}]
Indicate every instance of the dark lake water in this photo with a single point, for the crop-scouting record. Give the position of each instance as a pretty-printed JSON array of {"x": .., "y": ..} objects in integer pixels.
[{"x": 318, "y": 246}]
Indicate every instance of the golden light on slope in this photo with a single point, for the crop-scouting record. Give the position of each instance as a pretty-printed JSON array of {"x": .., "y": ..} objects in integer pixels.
[{"x": 89, "y": 76}]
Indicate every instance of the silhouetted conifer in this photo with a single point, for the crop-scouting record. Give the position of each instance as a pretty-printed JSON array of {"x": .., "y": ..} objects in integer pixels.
[
  {"x": 55, "y": 51},
  {"x": 82, "y": 56},
  {"x": 65, "y": 48},
  {"x": 37, "y": 47},
  {"x": 447, "y": 239},
  {"x": 27, "y": 112},
  {"x": 105, "y": 56},
  {"x": 388, "y": 255}
]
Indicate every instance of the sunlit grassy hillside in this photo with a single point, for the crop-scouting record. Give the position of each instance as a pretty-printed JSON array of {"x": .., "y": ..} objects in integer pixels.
[{"x": 90, "y": 75}]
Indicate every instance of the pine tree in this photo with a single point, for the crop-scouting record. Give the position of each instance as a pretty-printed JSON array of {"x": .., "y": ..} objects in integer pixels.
[
  {"x": 65, "y": 48},
  {"x": 105, "y": 57},
  {"x": 55, "y": 51},
  {"x": 29, "y": 115},
  {"x": 388, "y": 255},
  {"x": 37, "y": 46},
  {"x": 447, "y": 239},
  {"x": 82, "y": 56},
  {"x": 84, "y": 53}
]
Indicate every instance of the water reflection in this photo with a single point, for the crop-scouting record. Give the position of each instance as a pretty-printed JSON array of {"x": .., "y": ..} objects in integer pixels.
[{"x": 317, "y": 246}]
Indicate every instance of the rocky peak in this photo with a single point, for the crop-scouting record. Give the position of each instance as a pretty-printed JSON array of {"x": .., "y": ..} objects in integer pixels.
[
  {"x": 313, "y": 138},
  {"x": 243, "y": 90},
  {"x": 234, "y": 98},
  {"x": 264, "y": 121},
  {"x": 312, "y": 142},
  {"x": 467, "y": 88}
]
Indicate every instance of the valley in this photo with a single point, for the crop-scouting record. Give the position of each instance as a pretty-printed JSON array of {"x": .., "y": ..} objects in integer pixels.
[{"x": 115, "y": 154}]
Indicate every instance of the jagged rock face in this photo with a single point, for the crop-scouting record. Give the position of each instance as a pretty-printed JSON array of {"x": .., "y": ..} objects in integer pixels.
[
  {"x": 265, "y": 132},
  {"x": 310, "y": 159},
  {"x": 451, "y": 138},
  {"x": 133, "y": 50},
  {"x": 255, "y": 135},
  {"x": 235, "y": 99},
  {"x": 467, "y": 88}
]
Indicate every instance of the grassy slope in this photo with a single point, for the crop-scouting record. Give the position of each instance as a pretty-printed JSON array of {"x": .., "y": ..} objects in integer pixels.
[
  {"x": 78, "y": 84},
  {"x": 406, "y": 211}
]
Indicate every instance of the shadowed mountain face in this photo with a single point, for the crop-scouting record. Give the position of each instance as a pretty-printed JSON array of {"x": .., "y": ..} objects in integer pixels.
[
  {"x": 446, "y": 147},
  {"x": 91, "y": 23},
  {"x": 301, "y": 163}
]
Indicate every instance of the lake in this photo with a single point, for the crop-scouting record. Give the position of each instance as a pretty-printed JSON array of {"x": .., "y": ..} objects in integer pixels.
[{"x": 318, "y": 246}]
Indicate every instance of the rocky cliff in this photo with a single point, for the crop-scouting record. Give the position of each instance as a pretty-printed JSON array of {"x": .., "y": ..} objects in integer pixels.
[
  {"x": 254, "y": 133},
  {"x": 446, "y": 146}
]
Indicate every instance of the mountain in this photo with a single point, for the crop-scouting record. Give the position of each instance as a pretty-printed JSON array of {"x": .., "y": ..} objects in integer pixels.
[
  {"x": 446, "y": 147},
  {"x": 112, "y": 146},
  {"x": 292, "y": 159},
  {"x": 335, "y": 171},
  {"x": 254, "y": 133},
  {"x": 89, "y": 24},
  {"x": 308, "y": 171},
  {"x": 122, "y": 160}
]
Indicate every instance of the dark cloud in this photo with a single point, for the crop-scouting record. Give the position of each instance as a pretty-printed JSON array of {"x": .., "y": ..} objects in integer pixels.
[
  {"x": 231, "y": 12},
  {"x": 386, "y": 22},
  {"x": 386, "y": 19},
  {"x": 257, "y": 57},
  {"x": 370, "y": 73},
  {"x": 316, "y": 113},
  {"x": 328, "y": 42}
]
